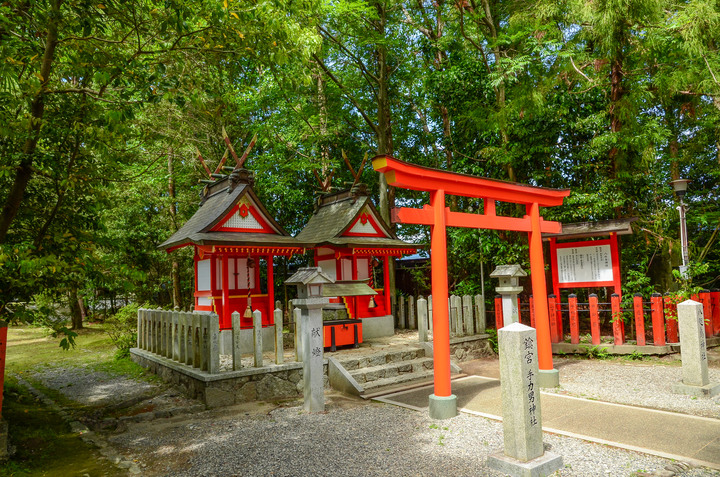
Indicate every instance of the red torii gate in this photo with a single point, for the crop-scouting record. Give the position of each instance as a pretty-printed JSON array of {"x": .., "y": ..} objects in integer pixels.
[{"x": 443, "y": 404}]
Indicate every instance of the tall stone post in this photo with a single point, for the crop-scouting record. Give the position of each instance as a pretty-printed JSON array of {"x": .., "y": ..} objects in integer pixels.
[
  {"x": 279, "y": 356},
  {"x": 693, "y": 351},
  {"x": 469, "y": 321},
  {"x": 298, "y": 334},
  {"x": 523, "y": 453},
  {"x": 310, "y": 282},
  {"x": 214, "y": 348},
  {"x": 411, "y": 316},
  {"x": 236, "y": 348},
  {"x": 257, "y": 338},
  {"x": 422, "y": 320},
  {"x": 480, "y": 319},
  {"x": 312, "y": 342},
  {"x": 430, "y": 313}
]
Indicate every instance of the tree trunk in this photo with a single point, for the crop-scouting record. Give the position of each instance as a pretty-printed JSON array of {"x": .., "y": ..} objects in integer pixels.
[
  {"x": 37, "y": 109},
  {"x": 616, "y": 94},
  {"x": 176, "y": 298},
  {"x": 75, "y": 313}
]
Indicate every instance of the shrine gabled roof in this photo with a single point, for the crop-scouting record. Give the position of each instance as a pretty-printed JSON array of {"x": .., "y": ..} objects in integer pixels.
[
  {"x": 337, "y": 215},
  {"x": 205, "y": 226}
]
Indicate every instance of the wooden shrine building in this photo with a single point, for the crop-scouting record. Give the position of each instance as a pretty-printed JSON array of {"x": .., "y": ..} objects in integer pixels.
[
  {"x": 353, "y": 244},
  {"x": 233, "y": 234}
]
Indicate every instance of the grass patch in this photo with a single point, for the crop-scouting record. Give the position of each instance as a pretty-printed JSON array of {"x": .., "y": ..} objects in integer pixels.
[{"x": 30, "y": 347}]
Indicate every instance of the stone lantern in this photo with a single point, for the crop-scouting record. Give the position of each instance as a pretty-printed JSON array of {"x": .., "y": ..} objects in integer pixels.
[
  {"x": 509, "y": 288},
  {"x": 310, "y": 282}
]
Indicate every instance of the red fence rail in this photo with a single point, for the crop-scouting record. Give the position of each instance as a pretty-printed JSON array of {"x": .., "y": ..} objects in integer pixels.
[{"x": 654, "y": 320}]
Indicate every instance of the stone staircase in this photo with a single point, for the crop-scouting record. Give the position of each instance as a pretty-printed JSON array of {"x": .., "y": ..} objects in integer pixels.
[{"x": 386, "y": 369}]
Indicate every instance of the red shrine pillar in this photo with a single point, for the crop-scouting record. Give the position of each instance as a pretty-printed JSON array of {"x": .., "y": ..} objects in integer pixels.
[
  {"x": 270, "y": 290},
  {"x": 443, "y": 404},
  {"x": 225, "y": 282},
  {"x": 549, "y": 377}
]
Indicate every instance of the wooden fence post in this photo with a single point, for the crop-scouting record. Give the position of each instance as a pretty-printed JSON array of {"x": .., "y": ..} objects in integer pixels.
[
  {"x": 498, "y": 312},
  {"x": 594, "y": 319},
  {"x": 707, "y": 312},
  {"x": 573, "y": 318},
  {"x": 531, "y": 304},
  {"x": 558, "y": 315},
  {"x": 552, "y": 317},
  {"x": 715, "y": 296},
  {"x": 617, "y": 320},
  {"x": 658, "y": 320},
  {"x": 671, "y": 322},
  {"x": 639, "y": 319}
]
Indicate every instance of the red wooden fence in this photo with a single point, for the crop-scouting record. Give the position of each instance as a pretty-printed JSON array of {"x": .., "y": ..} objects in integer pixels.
[{"x": 661, "y": 311}]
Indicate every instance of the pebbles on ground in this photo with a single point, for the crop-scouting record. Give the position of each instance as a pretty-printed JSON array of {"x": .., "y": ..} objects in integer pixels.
[
  {"x": 360, "y": 440},
  {"x": 647, "y": 385}
]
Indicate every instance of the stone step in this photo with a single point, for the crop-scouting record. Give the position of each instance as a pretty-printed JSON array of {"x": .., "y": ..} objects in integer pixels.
[
  {"x": 391, "y": 370},
  {"x": 424, "y": 375},
  {"x": 381, "y": 358}
]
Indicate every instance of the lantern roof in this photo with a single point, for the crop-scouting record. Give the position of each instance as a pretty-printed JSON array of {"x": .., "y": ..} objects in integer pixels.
[
  {"x": 231, "y": 214},
  {"x": 508, "y": 271},
  {"x": 348, "y": 218},
  {"x": 309, "y": 276}
]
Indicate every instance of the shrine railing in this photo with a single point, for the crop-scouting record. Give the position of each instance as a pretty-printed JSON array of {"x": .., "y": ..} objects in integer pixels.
[
  {"x": 645, "y": 322},
  {"x": 193, "y": 339},
  {"x": 188, "y": 338}
]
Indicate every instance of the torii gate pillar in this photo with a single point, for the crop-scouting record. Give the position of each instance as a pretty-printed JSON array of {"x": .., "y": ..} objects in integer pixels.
[{"x": 443, "y": 404}]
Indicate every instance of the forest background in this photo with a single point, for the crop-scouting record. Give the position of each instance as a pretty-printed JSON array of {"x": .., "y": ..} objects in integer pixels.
[{"x": 105, "y": 105}]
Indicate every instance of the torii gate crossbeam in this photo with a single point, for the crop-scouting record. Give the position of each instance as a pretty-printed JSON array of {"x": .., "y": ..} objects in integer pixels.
[{"x": 443, "y": 404}]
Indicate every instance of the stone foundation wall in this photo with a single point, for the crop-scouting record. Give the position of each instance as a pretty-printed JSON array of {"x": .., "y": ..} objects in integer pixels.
[
  {"x": 470, "y": 347},
  {"x": 268, "y": 383}
]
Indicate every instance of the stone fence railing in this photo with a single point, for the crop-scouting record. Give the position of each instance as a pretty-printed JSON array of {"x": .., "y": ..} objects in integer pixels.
[
  {"x": 466, "y": 314},
  {"x": 193, "y": 339},
  {"x": 185, "y": 337}
]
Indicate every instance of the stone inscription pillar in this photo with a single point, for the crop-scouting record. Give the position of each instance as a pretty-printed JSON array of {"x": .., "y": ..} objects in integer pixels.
[
  {"x": 522, "y": 421},
  {"x": 693, "y": 351}
]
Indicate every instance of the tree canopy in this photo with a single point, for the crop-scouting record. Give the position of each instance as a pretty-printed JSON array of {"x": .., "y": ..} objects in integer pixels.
[{"x": 105, "y": 105}]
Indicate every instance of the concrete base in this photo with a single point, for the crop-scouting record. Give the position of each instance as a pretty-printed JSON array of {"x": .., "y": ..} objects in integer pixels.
[
  {"x": 443, "y": 407},
  {"x": 246, "y": 340},
  {"x": 709, "y": 390},
  {"x": 548, "y": 378},
  {"x": 544, "y": 465},
  {"x": 378, "y": 326}
]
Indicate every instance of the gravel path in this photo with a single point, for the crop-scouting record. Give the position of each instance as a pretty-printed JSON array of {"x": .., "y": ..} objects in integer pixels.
[
  {"x": 360, "y": 438},
  {"x": 355, "y": 439},
  {"x": 647, "y": 385}
]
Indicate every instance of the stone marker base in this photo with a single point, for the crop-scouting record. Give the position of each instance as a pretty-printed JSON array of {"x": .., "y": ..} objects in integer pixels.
[
  {"x": 544, "y": 465},
  {"x": 442, "y": 407},
  {"x": 548, "y": 378},
  {"x": 709, "y": 390}
]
